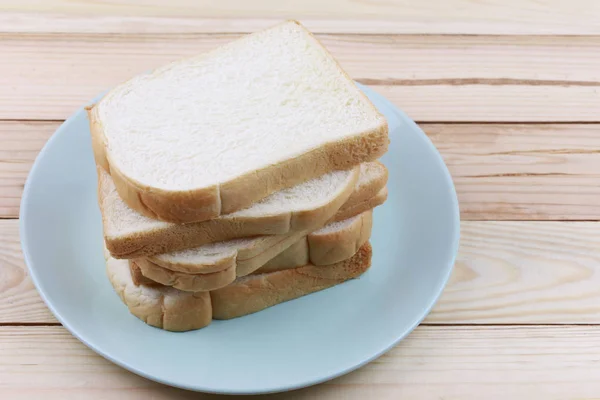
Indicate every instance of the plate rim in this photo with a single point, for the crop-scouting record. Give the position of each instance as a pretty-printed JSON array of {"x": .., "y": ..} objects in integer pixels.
[{"x": 274, "y": 388}]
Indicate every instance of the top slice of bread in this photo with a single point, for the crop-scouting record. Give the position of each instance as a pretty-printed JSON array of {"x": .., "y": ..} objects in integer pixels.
[
  {"x": 212, "y": 134},
  {"x": 129, "y": 234}
]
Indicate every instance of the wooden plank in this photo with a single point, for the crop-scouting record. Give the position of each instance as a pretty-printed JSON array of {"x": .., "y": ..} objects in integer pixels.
[
  {"x": 19, "y": 300},
  {"x": 20, "y": 143},
  {"x": 576, "y": 17},
  {"x": 516, "y": 362},
  {"x": 435, "y": 78},
  {"x": 510, "y": 172},
  {"x": 525, "y": 273},
  {"x": 501, "y": 172},
  {"x": 507, "y": 103},
  {"x": 379, "y": 58},
  {"x": 506, "y": 273}
]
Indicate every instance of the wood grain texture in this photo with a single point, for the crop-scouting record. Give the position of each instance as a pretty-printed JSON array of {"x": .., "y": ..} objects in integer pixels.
[
  {"x": 506, "y": 273},
  {"x": 20, "y": 143},
  {"x": 505, "y": 103},
  {"x": 510, "y": 61},
  {"x": 511, "y": 172},
  {"x": 19, "y": 300},
  {"x": 433, "y": 78},
  {"x": 501, "y": 171},
  {"x": 525, "y": 273},
  {"x": 576, "y": 17},
  {"x": 433, "y": 362}
]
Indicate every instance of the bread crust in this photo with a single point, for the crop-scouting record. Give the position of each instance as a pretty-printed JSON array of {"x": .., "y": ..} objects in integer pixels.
[
  {"x": 161, "y": 307},
  {"x": 181, "y": 281},
  {"x": 369, "y": 189},
  {"x": 296, "y": 255},
  {"x": 320, "y": 248},
  {"x": 174, "y": 310},
  {"x": 178, "y": 237},
  {"x": 250, "y": 258},
  {"x": 254, "y": 293},
  {"x": 330, "y": 247},
  {"x": 368, "y": 204}
]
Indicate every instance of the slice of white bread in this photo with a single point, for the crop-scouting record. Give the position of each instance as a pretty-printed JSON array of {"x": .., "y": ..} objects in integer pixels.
[
  {"x": 373, "y": 178},
  {"x": 253, "y": 293},
  {"x": 129, "y": 234},
  {"x": 175, "y": 310},
  {"x": 162, "y": 307},
  {"x": 333, "y": 243},
  {"x": 368, "y": 204},
  {"x": 294, "y": 256},
  {"x": 246, "y": 254},
  {"x": 212, "y": 134}
]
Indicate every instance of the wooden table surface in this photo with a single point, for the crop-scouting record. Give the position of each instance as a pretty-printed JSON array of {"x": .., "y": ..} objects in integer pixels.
[{"x": 509, "y": 92}]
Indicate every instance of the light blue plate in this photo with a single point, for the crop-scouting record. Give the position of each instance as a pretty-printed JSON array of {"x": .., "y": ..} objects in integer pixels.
[{"x": 292, "y": 345}]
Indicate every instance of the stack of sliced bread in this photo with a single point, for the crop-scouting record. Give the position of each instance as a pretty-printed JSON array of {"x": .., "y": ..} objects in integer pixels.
[{"x": 237, "y": 179}]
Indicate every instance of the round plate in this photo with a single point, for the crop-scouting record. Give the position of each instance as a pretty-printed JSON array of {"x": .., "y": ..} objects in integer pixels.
[{"x": 292, "y": 345}]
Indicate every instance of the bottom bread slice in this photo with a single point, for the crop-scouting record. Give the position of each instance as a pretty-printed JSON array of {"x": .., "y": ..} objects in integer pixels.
[
  {"x": 175, "y": 310},
  {"x": 333, "y": 243},
  {"x": 253, "y": 293}
]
